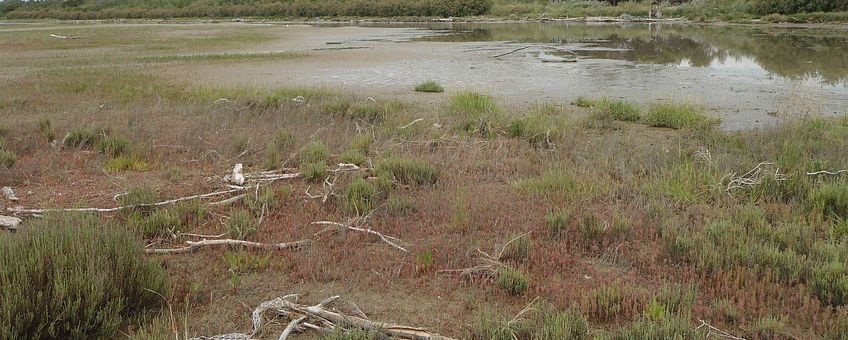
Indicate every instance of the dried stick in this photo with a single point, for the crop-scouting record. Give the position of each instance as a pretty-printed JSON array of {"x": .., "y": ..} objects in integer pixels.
[
  {"x": 716, "y": 332},
  {"x": 340, "y": 226},
  {"x": 513, "y": 51},
  {"x": 825, "y": 172},
  {"x": 292, "y": 325},
  {"x": 192, "y": 245}
]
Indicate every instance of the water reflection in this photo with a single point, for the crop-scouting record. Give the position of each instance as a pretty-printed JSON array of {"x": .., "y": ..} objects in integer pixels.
[{"x": 799, "y": 54}]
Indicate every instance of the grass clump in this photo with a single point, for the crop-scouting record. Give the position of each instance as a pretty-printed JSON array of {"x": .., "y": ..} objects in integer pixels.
[
  {"x": 512, "y": 281},
  {"x": 552, "y": 182},
  {"x": 85, "y": 137},
  {"x": 138, "y": 196},
  {"x": 608, "y": 109},
  {"x": 314, "y": 172},
  {"x": 557, "y": 222},
  {"x": 478, "y": 113},
  {"x": 831, "y": 200},
  {"x": 113, "y": 145},
  {"x": 583, "y": 102},
  {"x": 315, "y": 152},
  {"x": 398, "y": 205},
  {"x": 265, "y": 198},
  {"x": 406, "y": 171},
  {"x": 429, "y": 86},
  {"x": 125, "y": 163},
  {"x": 368, "y": 110},
  {"x": 74, "y": 277},
  {"x": 679, "y": 116},
  {"x": 666, "y": 328},
  {"x": 354, "y": 157},
  {"x": 829, "y": 282},
  {"x": 360, "y": 196},
  {"x": 241, "y": 224},
  {"x": 489, "y": 325},
  {"x": 568, "y": 324},
  {"x": 517, "y": 249},
  {"x": 46, "y": 128}
]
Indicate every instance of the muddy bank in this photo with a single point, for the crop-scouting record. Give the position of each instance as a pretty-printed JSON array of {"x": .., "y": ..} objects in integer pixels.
[{"x": 387, "y": 62}]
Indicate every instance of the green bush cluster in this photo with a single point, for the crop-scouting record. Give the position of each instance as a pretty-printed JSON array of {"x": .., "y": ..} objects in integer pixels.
[
  {"x": 406, "y": 171},
  {"x": 764, "y": 7},
  {"x": 74, "y": 277},
  {"x": 91, "y": 9}
]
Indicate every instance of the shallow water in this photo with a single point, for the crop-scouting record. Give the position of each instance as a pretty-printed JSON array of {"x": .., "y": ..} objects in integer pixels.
[{"x": 747, "y": 75}]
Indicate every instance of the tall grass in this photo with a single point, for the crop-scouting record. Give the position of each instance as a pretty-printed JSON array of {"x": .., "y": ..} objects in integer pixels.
[
  {"x": 74, "y": 277},
  {"x": 679, "y": 116}
]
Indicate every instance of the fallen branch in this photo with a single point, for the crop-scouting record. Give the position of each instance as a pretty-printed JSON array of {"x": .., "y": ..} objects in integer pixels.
[
  {"x": 336, "y": 227},
  {"x": 193, "y": 245},
  {"x": 21, "y": 210},
  {"x": 513, "y": 51},
  {"x": 716, "y": 332},
  {"x": 825, "y": 172},
  {"x": 754, "y": 177}
]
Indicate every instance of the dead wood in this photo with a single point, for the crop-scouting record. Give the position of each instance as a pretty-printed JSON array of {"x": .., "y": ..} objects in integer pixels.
[
  {"x": 193, "y": 245},
  {"x": 337, "y": 227},
  {"x": 321, "y": 317}
]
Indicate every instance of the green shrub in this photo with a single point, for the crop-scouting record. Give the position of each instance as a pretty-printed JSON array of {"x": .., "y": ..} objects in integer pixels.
[
  {"x": 667, "y": 328},
  {"x": 45, "y": 126},
  {"x": 113, "y": 145},
  {"x": 676, "y": 299},
  {"x": 314, "y": 172},
  {"x": 241, "y": 224},
  {"x": 360, "y": 196},
  {"x": 489, "y": 325},
  {"x": 424, "y": 261},
  {"x": 608, "y": 109},
  {"x": 316, "y": 152},
  {"x": 516, "y": 249},
  {"x": 557, "y": 222},
  {"x": 512, "y": 281},
  {"x": 71, "y": 276},
  {"x": 679, "y": 116},
  {"x": 831, "y": 200},
  {"x": 771, "y": 327},
  {"x": 354, "y": 157},
  {"x": 86, "y": 137},
  {"x": 429, "y": 86},
  {"x": 406, "y": 171},
  {"x": 568, "y": 324},
  {"x": 829, "y": 282}
]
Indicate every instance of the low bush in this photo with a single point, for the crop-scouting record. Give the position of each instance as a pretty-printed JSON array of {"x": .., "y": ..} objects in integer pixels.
[
  {"x": 608, "y": 109},
  {"x": 557, "y": 222},
  {"x": 406, "y": 171},
  {"x": 512, "y": 281},
  {"x": 314, "y": 172},
  {"x": 86, "y": 137},
  {"x": 360, "y": 196},
  {"x": 315, "y": 152},
  {"x": 429, "y": 86},
  {"x": 74, "y": 277},
  {"x": 241, "y": 224},
  {"x": 831, "y": 200},
  {"x": 679, "y": 116},
  {"x": 568, "y": 324}
]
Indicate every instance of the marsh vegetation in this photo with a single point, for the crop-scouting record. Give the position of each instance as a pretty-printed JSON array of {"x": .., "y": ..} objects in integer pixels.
[{"x": 609, "y": 218}]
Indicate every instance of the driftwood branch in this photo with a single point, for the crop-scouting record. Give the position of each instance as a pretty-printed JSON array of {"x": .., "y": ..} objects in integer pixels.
[
  {"x": 716, "y": 332},
  {"x": 754, "y": 177},
  {"x": 825, "y": 172},
  {"x": 193, "y": 245},
  {"x": 512, "y": 51},
  {"x": 321, "y": 317},
  {"x": 335, "y": 226}
]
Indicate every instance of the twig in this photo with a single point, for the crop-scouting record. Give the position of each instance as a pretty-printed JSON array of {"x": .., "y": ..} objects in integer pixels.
[
  {"x": 292, "y": 325},
  {"x": 717, "y": 332},
  {"x": 513, "y": 51},
  {"x": 192, "y": 245},
  {"x": 825, "y": 172},
  {"x": 340, "y": 226}
]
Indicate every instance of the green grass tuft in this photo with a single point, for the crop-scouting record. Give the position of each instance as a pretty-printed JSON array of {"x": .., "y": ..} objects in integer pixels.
[
  {"x": 552, "y": 182},
  {"x": 679, "y": 116},
  {"x": 86, "y": 137},
  {"x": 406, "y": 171},
  {"x": 315, "y": 152},
  {"x": 429, "y": 86},
  {"x": 360, "y": 196},
  {"x": 314, "y": 172},
  {"x": 113, "y": 145},
  {"x": 241, "y": 224},
  {"x": 512, "y": 281},
  {"x": 608, "y": 109},
  {"x": 125, "y": 163}
]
